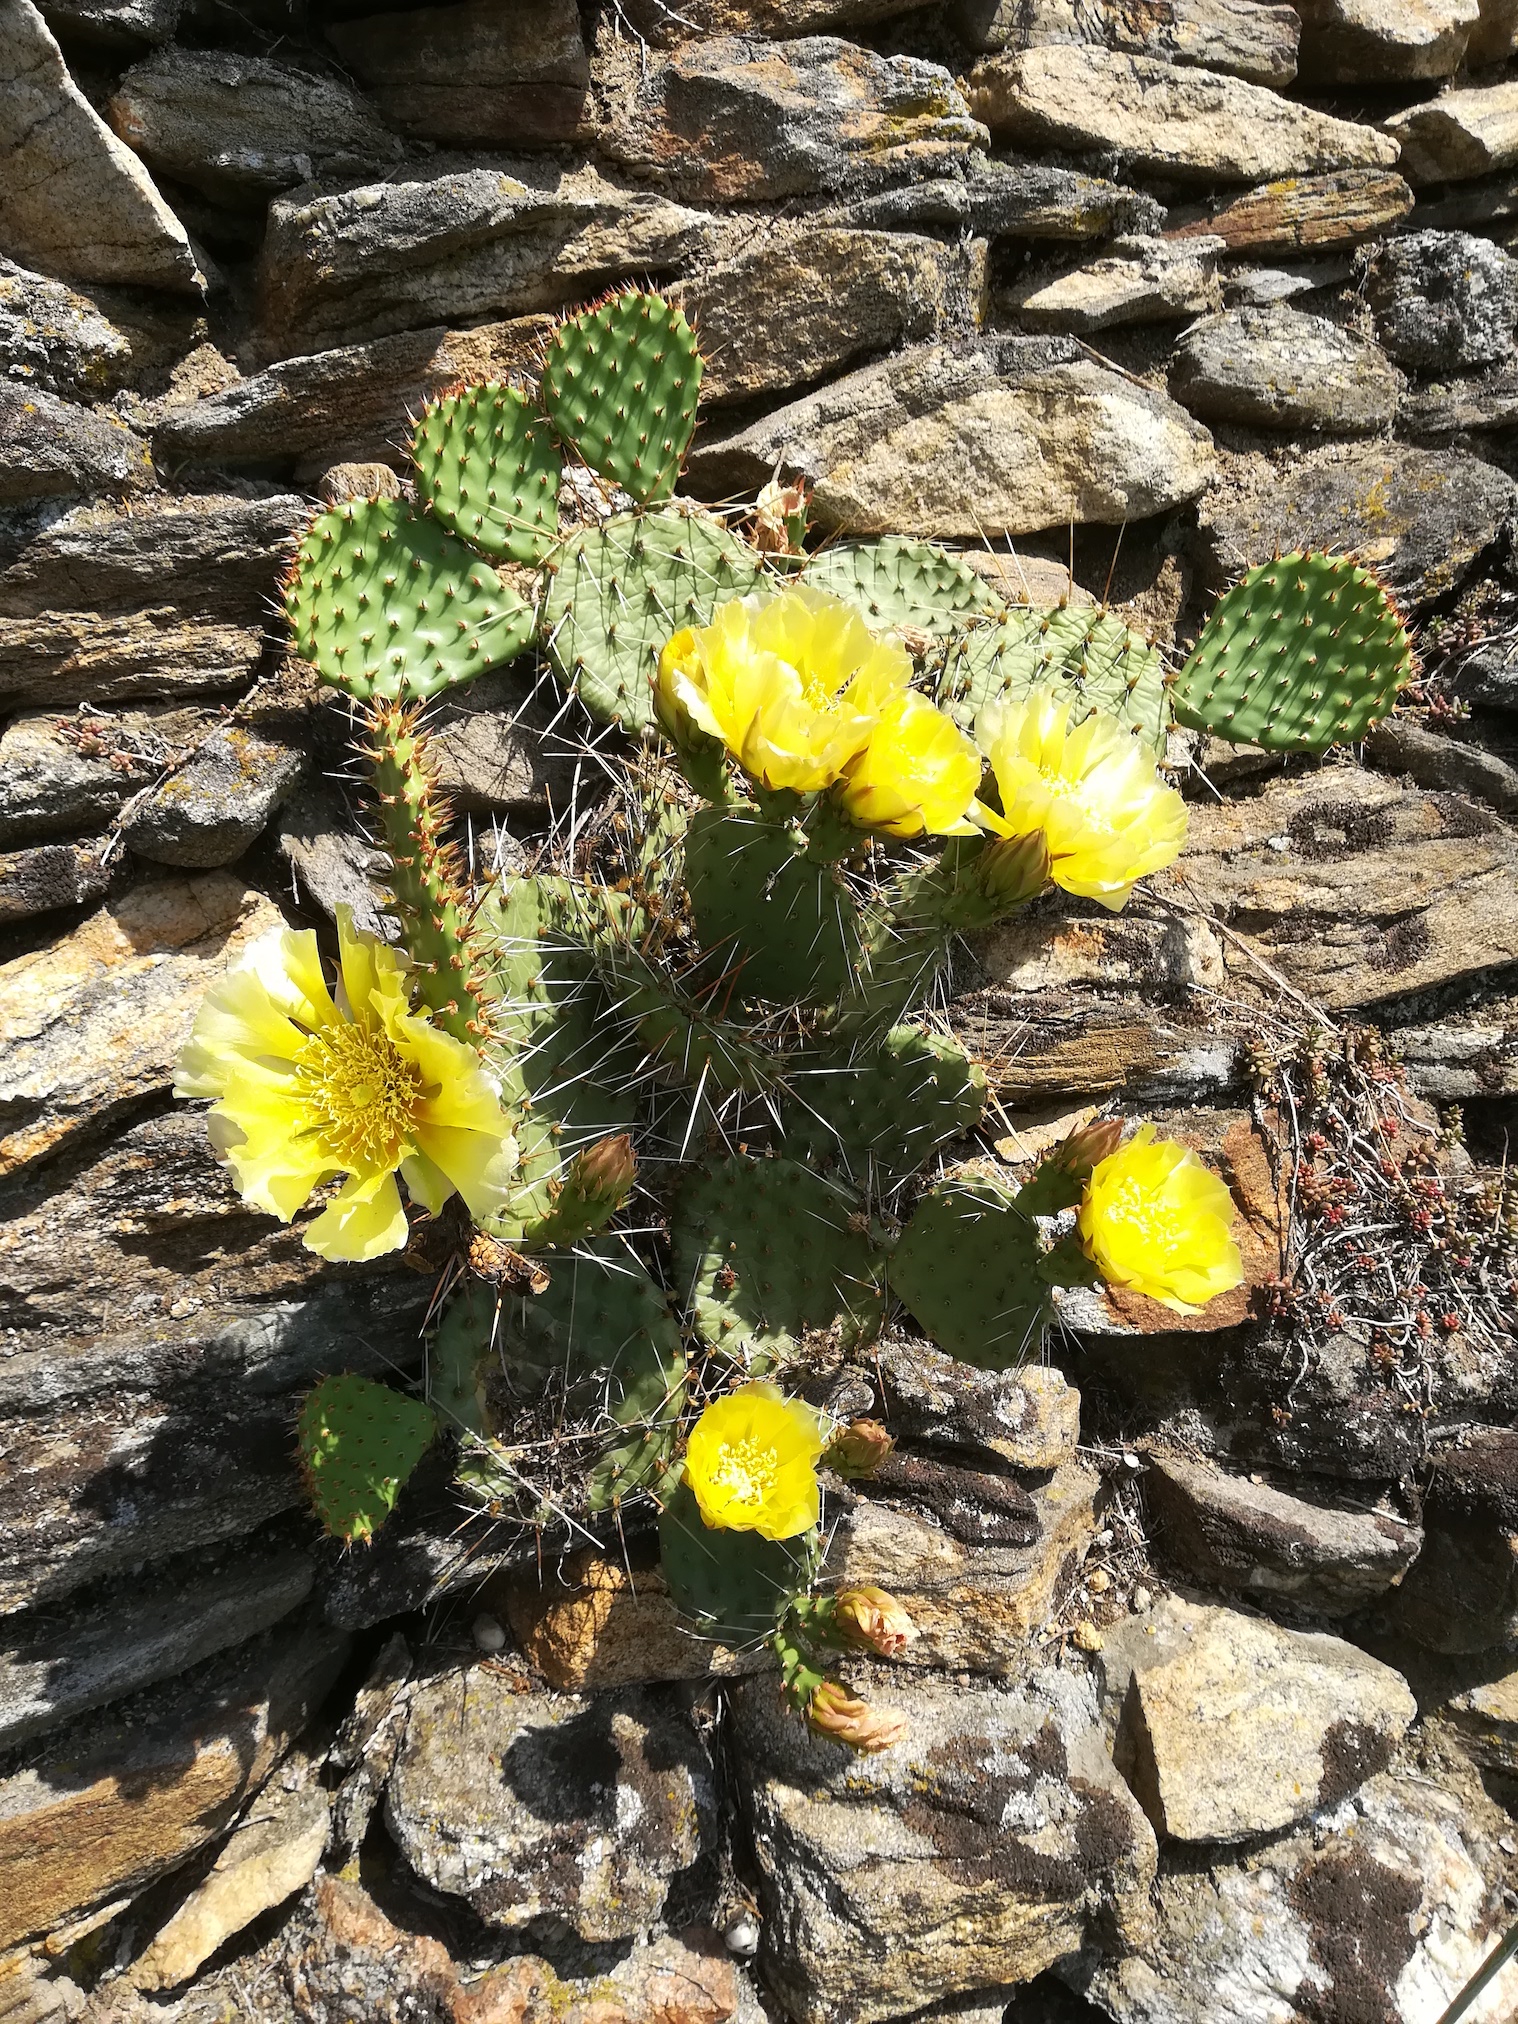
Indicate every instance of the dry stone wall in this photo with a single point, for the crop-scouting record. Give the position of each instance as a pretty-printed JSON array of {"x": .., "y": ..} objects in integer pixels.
[{"x": 1117, "y": 297}]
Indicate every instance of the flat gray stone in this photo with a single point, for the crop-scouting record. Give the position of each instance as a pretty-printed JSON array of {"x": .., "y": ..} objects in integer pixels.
[
  {"x": 533, "y": 1806},
  {"x": 672, "y": 21},
  {"x": 493, "y": 750},
  {"x": 1229, "y": 1726},
  {"x": 1445, "y": 301},
  {"x": 800, "y": 306},
  {"x": 1008, "y": 200},
  {"x": 1004, "y": 435},
  {"x": 69, "y": 777},
  {"x": 1460, "y": 134},
  {"x": 1277, "y": 368},
  {"x": 1402, "y": 745},
  {"x": 48, "y": 447},
  {"x": 216, "y": 805},
  {"x": 503, "y": 73},
  {"x": 330, "y": 864},
  {"x": 244, "y": 127},
  {"x": 50, "y": 876},
  {"x": 442, "y": 245},
  {"x": 1163, "y": 119},
  {"x": 1233, "y": 1533},
  {"x": 981, "y": 1849},
  {"x": 1421, "y": 519},
  {"x": 57, "y": 341},
  {"x": 1022, "y": 1419},
  {"x": 1458, "y": 408},
  {"x": 735, "y": 119},
  {"x": 1461, "y": 1593},
  {"x": 1243, "y": 37},
  {"x": 1138, "y": 281},
  {"x": 115, "y": 25},
  {"x": 1384, "y": 41},
  {"x": 78, "y": 203}
]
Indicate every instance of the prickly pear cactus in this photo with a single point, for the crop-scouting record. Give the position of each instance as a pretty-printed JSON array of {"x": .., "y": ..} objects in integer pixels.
[
  {"x": 1087, "y": 654},
  {"x": 620, "y": 384},
  {"x": 731, "y": 1586},
  {"x": 358, "y": 1444},
  {"x": 487, "y": 465},
  {"x": 904, "y": 586},
  {"x": 1304, "y": 652}
]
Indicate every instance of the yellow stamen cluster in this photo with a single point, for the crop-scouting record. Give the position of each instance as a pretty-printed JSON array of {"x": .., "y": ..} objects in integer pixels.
[
  {"x": 751, "y": 1463},
  {"x": 1153, "y": 1218}
]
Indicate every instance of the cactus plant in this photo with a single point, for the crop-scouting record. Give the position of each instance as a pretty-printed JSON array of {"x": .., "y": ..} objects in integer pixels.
[
  {"x": 487, "y": 465},
  {"x": 620, "y": 383},
  {"x": 733, "y": 1586},
  {"x": 358, "y": 1444},
  {"x": 1101, "y": 663},
  {"x": 968, "y": 1267},
  {"x": 1304, "y": 652},
  {"x": 885, "y": 1111},
  {"x": 904, "y": 586},
  {"x": 783, "y": 926},
  {"x": 387, "y": 604}
]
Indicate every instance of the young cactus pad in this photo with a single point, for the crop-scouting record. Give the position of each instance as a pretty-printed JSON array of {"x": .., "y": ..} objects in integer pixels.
[
  {"x": 889, "y": 1107},
  {"x": 1088, "y": 655},
  {"x": 620, "y": 383},
  {"x": 1304, "y": 652},
  {"x": 784, "y": 926},
  {"x": 619, "y": 590},
  {"x": 358, "y": 1444},
  {"x": 968, "y": 1268},
  {"x": 731, "y": 1585},
  {"x": 766, "y": 1250},
  {"x": 388, "y": 605},
  {"x": 487, "y": 465},
  {"x": 903, "y": 585}
]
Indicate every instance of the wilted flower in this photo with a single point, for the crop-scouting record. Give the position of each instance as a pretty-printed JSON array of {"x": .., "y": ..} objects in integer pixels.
[
  {"x": 792, "y": 685},
  {"x": 1093, "y": 791},
  {"x": 751, "y": 1463},
  {"x": 917, "y": 774},
  {"x": 859, "y": 1448},
  {"x": 306, "y": 1089},
  {"x": 833, "y": 1711},
  {"x": 780, "y": 518},
  {"x": 1155, "y": 1219},
  {"x": 873, "y": 1621}
]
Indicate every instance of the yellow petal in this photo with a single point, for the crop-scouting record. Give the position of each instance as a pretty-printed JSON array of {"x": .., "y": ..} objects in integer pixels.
[
  {"x": 478, "y": 1164},
  {"x": 364, "y": 1219}
]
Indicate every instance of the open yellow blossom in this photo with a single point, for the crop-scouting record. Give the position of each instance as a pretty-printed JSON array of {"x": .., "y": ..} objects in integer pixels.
[
  {"x": 1091, "y": 790},
  {"x": 307, "y": 1089},
  {"x": 1155, "y": 1219},
  {"x": 792, "y": 685},
  {"x": 751, "y": 1463},
  {"x": 917, "y": 774}
]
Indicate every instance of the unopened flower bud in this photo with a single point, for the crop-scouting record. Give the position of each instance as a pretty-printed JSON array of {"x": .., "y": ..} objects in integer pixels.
[
  {"x": 1013, "y": 870},
  {"x": 835, "y": 1712},
  {"x": 780, "y": 518},
  {"x": 605, "y": 1172},
  {"x": 858, "y": 1449},
  {"x": 873, "y": 1621},
  {"x": 1085, "y": 1149}
]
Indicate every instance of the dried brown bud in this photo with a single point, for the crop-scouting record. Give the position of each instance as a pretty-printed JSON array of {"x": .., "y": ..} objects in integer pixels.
[
  {"x": 503, "y": 1266},
  {"x": 858, "y": 1449},
  {"x": 874, "y": 1621},
  {"x": 780, "y": 518},
  {"x": 834, "y": 1711},
  {"x": 605, "y": 1172}
]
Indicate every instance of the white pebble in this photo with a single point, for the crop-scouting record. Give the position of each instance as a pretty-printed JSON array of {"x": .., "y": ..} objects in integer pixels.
[
  {"x": 488, "y": 1634},
  {"x": 1141, "y": 1600},
  {"x": 742, "y": 1937}
]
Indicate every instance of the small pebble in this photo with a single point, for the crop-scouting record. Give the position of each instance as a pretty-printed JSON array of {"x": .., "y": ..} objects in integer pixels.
[
  {"x": 488, "y": 1634},
  {"x": 1508, "y": 1845},
  {"x": 1130, "y": 1460},
  {"x": 1104, "y": 1537},
  {"x": 1141, "y": 1600},
  {"x": 742, "y": 1938}
]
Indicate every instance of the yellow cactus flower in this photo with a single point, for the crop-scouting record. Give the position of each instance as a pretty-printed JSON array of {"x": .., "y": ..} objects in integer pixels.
[
  {"x": 917, "y": 774},
  {"x": 751, "y": 1463},
  {"x": 307, "y": 1089},
  {"x": 1155, "y": 1219},
  {"x": 792, "y": 685},
  {"x": 1091, "y": 790}
]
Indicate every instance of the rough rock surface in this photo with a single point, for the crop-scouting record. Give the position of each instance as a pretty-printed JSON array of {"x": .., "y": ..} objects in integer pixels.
[
  {"x": 1164, "y": 119},
  {"x": 1299, "y": 213},
  {"x": 1232, "y": 1532},
  {"x": 48, "y": 446},
  {"x": 1000, "y": 1821},
  {"x": 1280, "y": 369},
  {"x": 214, "y": 806},
  {"x": 1445, "y": 300},
  {"x": 57, "y": 340},
  {"x": 443, "y": 244},
  {"x": 1254, "y": 41},
  {"x": 1140, "y": 281},
  {"x": 550, "y": 1808},
  {"x": 243, "y": 126},
  {"x": 1421, "y": 520},
  {"x": 1461, "y": 1594},
  {"x": 1458, "y": 135},
  {"x": 999, "y": 437},
  {"x": 504, "y": 73},
  {"x": 1375, "y": 41},
  {"x": 78, "y": 203}
]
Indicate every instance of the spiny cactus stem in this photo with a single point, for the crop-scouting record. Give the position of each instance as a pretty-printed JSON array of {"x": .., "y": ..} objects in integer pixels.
[{"x": 427, "y": 878}]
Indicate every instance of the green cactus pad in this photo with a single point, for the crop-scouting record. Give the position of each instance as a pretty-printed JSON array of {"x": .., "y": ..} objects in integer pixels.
[
  {"x": 765, "y": 1250},
  {"x": 386, "y": 603},
  {"x": 884, "y": 1112},
  {"x": 681, "y": 1041},
  {"x": 487, "y": 464},
  {"x": 968, "y": 1267},
  {"x": 601, "y": 1343},
  {"x": 783, "y": 927},
  {"x": 563, "y": 1078},
  {"x": 1087, "y": 654},
  {"x": 903, "y": 585},
  {"x": 734, "y": 1586},
  {"x": 620, "y": 384},
  {"x": 616, "y": 593},
  {"x": 358, "y": 1444},
  {"x": 1303, "y": 653},
  {"x": 456, "y": 1362}
]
